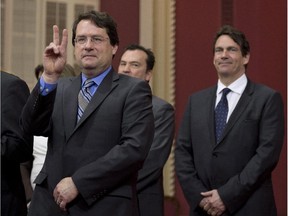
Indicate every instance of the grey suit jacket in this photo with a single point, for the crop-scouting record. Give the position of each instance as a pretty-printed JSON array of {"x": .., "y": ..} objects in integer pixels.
[
  {"x": 150, "y": 178},
  {"x": 102, "y": 152},
  {"x": 240, "y": 165}
]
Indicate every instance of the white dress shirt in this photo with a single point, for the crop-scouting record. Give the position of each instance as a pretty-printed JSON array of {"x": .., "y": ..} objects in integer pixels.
[{"x": 237, "y": 88}]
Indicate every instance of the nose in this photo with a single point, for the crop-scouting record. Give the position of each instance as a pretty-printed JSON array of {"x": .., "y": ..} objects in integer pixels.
[
  {"x": 224, "y": 54},
  {"x": 88, "y": 43},
  {"x": 126, "y": 68}
]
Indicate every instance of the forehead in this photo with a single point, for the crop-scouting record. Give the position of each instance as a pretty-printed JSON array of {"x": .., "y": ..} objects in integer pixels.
[
  {"x": 89, "y": 28},
  {"x": 225, "y": 41},
  {"x": 134, "y": 55}
]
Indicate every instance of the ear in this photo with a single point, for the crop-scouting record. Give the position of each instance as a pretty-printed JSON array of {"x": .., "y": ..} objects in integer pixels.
[
  {"x": 246, "y": 59},
  {"x": 148, "y": 75},
  {"x": 114, "y": 49}
]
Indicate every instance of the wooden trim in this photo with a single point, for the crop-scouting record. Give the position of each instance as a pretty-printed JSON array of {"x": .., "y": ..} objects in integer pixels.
[{"x": 157, "y": 31}]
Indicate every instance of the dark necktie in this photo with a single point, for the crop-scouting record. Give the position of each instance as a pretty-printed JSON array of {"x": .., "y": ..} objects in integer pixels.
[
  {"x": 84, "y": 97},
  {"x": 221, "y": 112}
]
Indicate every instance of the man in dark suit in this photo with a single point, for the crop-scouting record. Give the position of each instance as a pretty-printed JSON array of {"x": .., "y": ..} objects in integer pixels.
[
  {"x": 16, "y": 147},
  {"x": 137, "y": 61},
  {"x": 95, "y": 145},
  {"x": 231, "y": 175}
]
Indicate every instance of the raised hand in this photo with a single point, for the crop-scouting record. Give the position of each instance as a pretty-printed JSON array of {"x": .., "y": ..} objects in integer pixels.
[{"x": 55, "y": 56}]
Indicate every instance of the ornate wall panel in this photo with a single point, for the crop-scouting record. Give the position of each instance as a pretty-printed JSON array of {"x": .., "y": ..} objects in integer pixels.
[{"x": 157, "y": 31}]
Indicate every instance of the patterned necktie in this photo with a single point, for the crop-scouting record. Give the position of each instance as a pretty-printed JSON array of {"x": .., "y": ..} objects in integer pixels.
[
  {"x": 84, "y": 97},
  {"x": 221, "y": 112}
]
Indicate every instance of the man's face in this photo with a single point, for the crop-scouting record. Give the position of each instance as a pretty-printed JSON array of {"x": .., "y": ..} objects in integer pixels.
[
  {"x": 228, "y": 59},
  {"x": 93, "y": 51},
  {"x": 133, "y": 63}
]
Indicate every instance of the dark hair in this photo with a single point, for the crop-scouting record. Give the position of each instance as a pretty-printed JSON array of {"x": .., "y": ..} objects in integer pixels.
[
  {"x": 150, "y": 61},
  {"x": 38, "y": 69},
  {"x": 236, "y": 35},
  {"x": 100, "y": 19}
]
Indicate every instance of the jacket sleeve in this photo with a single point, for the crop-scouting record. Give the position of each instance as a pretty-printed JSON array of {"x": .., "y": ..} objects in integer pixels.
[
  {"x": 15, "y": 144},
  {"x": 161, "y": 146},
  {"x": 186, "y": 171},
  {"x": 36, "y": 114}
]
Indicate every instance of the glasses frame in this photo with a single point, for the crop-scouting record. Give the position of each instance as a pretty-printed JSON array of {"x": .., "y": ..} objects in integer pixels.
[{"x": 96, "y": 40}]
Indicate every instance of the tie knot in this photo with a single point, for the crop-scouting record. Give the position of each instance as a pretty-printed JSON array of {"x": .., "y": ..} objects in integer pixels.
[
  {"x": 88, "y": 83},
  {"x": 225, "y": 91}
]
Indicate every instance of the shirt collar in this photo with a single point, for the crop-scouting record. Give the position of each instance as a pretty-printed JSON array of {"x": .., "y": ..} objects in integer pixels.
[
  {"x": 237, "y": 86},
  {"x": 98, "y": 79}
]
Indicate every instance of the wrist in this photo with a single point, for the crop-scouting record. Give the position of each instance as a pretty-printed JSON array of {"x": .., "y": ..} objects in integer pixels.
[{"x": 50, "y": 78}]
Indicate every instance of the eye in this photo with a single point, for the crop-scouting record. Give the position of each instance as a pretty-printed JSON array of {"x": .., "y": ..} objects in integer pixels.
[
  {"x": 122, "y": 63},
  {"x": 97, "y": 39},
  {"x": 81, "y": 40},
  {"x": 135, "y": 65},
  {"x": 217, "y": 50},
  {"x": 232, "y": 49}
]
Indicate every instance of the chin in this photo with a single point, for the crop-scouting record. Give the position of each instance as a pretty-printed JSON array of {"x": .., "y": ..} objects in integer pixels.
[{"x": 223, "y": 73}]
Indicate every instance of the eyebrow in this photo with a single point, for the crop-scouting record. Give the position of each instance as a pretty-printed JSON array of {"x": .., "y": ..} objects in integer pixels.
[
  {"x": 131, "y": 62},
  {"x": 229, "y": 47},
  {"x": 93, "y": 35}
]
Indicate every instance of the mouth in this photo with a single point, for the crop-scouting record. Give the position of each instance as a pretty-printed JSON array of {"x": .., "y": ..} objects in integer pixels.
[
  {"x": 224, "y": 63},
  {"x": 88, "y": 56}
]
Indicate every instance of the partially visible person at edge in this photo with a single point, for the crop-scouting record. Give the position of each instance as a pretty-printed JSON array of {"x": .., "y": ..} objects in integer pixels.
[
  {"x": 16, "y": 146},
  {"x": 231, "y": 176},
  {"x": 137, "y": 61},
  {"x": 93, "y": 154}
]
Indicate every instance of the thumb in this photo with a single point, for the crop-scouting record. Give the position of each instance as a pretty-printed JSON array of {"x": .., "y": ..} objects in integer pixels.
[{"x": 207, "y": 193}]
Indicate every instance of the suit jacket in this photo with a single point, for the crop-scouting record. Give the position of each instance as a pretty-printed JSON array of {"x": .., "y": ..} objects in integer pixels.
[
  {"x": 240, "y": 165},
  {"x": 15, "y": 146},
  {"x": 102, "y": 152},
  {"x": 150, "y": 177}
]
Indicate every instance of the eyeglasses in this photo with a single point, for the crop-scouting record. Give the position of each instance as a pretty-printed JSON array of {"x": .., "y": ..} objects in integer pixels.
[{"x": 95, "y": 40}]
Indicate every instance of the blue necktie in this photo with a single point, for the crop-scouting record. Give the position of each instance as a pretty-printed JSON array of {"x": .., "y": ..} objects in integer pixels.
[
  {"x": 221, "y": 112},
  {"x": 84, "y": 97}
]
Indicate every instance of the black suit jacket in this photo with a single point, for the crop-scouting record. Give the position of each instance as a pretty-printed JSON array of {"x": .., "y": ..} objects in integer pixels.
[
  {"x": 102, "y": 152},
  {"x": 16, "y": 147},
  {"x": 240, "y": 165},
  {"x": 150, "y": 178}
]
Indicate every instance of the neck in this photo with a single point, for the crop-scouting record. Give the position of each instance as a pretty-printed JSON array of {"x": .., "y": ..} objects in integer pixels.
[{"x": 227, "y": 80}]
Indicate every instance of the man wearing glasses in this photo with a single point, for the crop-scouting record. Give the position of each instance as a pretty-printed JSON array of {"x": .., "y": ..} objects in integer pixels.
[{"x": 99, "y": 125}]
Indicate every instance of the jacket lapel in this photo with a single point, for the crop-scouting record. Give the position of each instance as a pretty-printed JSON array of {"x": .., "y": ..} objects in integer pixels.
[
  {"x": 239, "y": 109},
  {"x": 103, "y": 90},
  {"x": 211, "y": 115},
  {"x": 70, "y": 104}
]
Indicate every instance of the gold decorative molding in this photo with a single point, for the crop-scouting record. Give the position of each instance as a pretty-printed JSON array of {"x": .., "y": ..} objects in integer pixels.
[{"x": 157, "y": 31}]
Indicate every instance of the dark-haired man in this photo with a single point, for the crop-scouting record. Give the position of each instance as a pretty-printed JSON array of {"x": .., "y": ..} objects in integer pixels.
[
  {"x": 99, "y": 125},
  {"x": 230, "y": 138},
  {"x": 137, "y": 61}
]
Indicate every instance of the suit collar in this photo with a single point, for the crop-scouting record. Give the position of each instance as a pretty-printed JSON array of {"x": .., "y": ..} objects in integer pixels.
[
  {"x": 70, "y": 100},
  {"x": 239, "y": 109},
  {"x": 104, "y": 89},
  {"x": 70, "y": 103}
]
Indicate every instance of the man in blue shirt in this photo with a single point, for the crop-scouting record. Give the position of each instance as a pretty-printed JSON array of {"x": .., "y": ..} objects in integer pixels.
[{"x": 99, "y": 125}]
